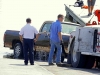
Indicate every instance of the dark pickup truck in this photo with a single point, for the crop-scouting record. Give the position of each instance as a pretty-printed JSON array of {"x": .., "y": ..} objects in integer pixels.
[{"x": 42, "y": 46}]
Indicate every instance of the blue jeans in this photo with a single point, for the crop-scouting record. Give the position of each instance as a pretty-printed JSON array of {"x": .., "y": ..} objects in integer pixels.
[{"x": 59, "y": 51}]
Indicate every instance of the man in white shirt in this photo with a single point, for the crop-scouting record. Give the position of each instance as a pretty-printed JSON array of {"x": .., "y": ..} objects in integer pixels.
[{"x": 27, "y": 35}]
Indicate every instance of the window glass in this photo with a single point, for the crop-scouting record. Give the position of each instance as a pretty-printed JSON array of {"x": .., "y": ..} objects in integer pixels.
[
  {"x": 46, "y": 27},
  {"x": 67, "y": 28}
]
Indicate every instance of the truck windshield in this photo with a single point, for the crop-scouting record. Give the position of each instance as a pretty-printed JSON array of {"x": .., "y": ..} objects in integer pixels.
[{"x": 67, "y": 28}]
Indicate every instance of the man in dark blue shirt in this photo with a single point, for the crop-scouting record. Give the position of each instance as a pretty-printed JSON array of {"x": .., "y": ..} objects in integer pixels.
[{"x": 55, "y": 40}]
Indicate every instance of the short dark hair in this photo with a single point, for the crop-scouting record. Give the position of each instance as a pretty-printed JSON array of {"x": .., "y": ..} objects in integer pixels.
[
  {"x": 60, "y": 16},
  {"x": 28, "y": 20}
]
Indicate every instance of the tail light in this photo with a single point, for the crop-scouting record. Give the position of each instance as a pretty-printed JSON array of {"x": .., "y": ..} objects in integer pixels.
[{"x": 4, "y": 37}]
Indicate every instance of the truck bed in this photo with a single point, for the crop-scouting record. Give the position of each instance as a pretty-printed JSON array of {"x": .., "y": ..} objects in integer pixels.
[{"x": 79, "y": 15}]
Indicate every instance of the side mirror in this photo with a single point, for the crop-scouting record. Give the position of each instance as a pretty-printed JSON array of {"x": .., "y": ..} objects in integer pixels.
[{"x": 44, "y": 31}]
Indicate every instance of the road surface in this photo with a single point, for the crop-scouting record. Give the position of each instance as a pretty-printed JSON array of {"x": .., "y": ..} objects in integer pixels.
[
  {"x": 13, "y": 65},
  {"x": 68, "y": 70}
]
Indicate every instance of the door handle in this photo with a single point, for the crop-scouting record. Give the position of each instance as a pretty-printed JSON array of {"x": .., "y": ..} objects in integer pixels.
[{"x": 46, "y": 35}]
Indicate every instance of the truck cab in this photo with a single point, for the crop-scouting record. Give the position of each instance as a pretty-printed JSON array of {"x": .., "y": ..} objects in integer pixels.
[
  {"x": 42, "y": 45},
  {"x": 43, "y": 42}
]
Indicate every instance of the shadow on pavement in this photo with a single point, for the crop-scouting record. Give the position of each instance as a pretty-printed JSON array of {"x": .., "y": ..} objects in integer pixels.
[
  {"x": 43, "y": 65},
  {"x": 69, "y": 67},
  {"x": 85, "y": 16},
  {"x": 94, "y": 71}
]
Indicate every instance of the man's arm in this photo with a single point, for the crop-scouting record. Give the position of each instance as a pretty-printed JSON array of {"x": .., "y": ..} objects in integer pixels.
[
  {"x": 60, "y": 36},
  {"x": 59, "y": 32},
  {"x": 21, "y": 35},
  {"x": 37, "y": 34},
  {"x": 21, "y": 38}
]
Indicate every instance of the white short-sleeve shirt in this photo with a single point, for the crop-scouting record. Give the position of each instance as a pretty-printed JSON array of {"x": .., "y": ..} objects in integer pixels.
[{"x": 28, "y": 31}]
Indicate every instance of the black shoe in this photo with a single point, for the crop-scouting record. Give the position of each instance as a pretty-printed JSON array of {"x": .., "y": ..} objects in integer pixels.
[
  {"x": 58, "y": 64},
  {"x": 31, "y": 63},
  {"x": 51, "y": 64},
  {"x": 26, "y": 63},
  {"x": 89, "y": 14}
]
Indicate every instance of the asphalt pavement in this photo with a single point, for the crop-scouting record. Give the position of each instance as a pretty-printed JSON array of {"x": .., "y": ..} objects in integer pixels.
[
  {"x": 16, "y": 67},
  {"x": 68, "y": 70}
]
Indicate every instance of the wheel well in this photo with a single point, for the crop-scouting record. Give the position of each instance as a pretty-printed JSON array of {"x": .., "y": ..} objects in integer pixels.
[
  {"x": 63, "y": 51},
  {"x": 14, "y": 42},
  {"x": 71, "y": 44}
]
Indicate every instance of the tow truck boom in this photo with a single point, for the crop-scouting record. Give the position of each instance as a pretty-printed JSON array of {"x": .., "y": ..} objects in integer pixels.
[
  {"x": 79, "y": 15},
  {"x": 84, "y": 44},
  {"x": 70, "y": 13}
]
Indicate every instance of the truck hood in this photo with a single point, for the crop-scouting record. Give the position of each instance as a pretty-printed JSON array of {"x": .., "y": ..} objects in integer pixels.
[{"x": 65, "y": 34}]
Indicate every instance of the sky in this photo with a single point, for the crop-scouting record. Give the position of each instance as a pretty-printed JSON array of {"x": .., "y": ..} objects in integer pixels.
[{"x": 15, "y": 12}]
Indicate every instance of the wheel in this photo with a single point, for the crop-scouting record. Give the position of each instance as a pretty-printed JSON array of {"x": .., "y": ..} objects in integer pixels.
[
  {"x": 98, "y": 62},
  {"x": 77, "y": 59},
  {"x": 69, "y": 58},
  {"x": 90, "y": 62},
  {"x": 18, "y": 51}
]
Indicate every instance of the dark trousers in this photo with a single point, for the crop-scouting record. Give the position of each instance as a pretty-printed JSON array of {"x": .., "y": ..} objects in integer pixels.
[{"x": 28, "y": 48}]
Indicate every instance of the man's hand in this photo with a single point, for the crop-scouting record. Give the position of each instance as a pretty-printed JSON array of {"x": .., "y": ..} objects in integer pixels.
[
  {"x": 61, "y": 42},
  {"x": 89, "y": 0},
  {"x": 21, "y": 38},
  {"x": 35, "y": 40},
  {"x": 37, "y": 35}
]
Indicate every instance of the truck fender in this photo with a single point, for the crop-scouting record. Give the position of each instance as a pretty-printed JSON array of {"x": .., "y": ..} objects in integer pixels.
[
  {"x": 70, "y": 43},
  {"x": 69, "y": 50},
  {"x": 72, "y": 38}
]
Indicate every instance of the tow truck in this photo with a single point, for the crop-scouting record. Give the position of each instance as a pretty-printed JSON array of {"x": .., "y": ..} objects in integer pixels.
[{"x": 84, "y": 44}]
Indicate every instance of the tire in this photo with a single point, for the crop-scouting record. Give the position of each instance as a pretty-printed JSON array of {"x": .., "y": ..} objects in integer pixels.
[
  {"x": 90, "y": 62},
  {"x": 18, "y": 51},
  {"x": 69, "y": 58},
  {"x": 77, "y": 59}
]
